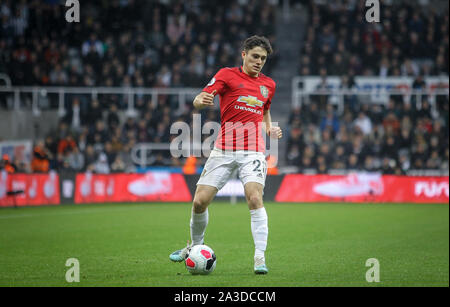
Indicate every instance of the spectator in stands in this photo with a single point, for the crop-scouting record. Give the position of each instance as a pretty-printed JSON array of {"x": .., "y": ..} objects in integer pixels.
[
  {"x": 327, "y": 138},
  {"x": 94, "y": 113},
  {"x": 325, "y": 151},
  {"x": 118, "y": 166},
  {"x": 348, "y": 84},
  {"x": 311, "y": 114},
  {"x": 312, "y": 136},
  {"x": 66, "y": 144},
  {"x": 445, "y": 160},
  {"x": 439, "y": 131},
  {"x": 40, "y": 162},
  {"x": 404, "y": 162},
  {"x": 338, "y": 68},
  {"x": 390, "y": 147},
  {"x": 293, "y": 156},
  {"x": 405, "y": 139},
  {"x": 51, "y": 149},
  {"x": 7, "y": 165},
  {"x": 425, "y": 110},
  {"x": 113, "y": 119},
  {"x": 391, "y": 123},
  {"x": 419, "y": 155},
  {"x": 363, "y": 124},
  {"x": 296, "y": 114},
  {"x": 353, "y": 163},
  {"x": 388, "y": 166},
  {"x": 109, "y": 151},
  {"x": 58, "y": 76},
  {"x": 322, "y": 165},
  {"x": 90, "y": 157},
  {"x": 296, "y": 138},
  {"x": 190, "y": 166},
  {"x": 75, "y": 160},
  {"x": 370, "y": 164},
  {"x": 360, "y": 148},
  {"x": 98, "y": 135},
  {"x": 92, "y": 44},
  {"x": 434, "y": 161},
  {"x": 125, "y": 157},
  {"x": 307, "y": 165},
  {"x": 22, "y": 166},
  {"x": 75, "y": 116},
  {"x": 339, "y": 158},
  {"x": 330, "y": 121},
  {"x": 101, "y": 166},
  {"x": 130, "y": 126}
]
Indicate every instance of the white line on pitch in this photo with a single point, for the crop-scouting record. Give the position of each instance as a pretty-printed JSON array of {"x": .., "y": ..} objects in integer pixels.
[{"x": 12, "y": 216}]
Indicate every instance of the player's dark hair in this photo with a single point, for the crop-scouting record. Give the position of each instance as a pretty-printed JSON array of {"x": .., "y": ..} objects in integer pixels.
[{"x": 257, "y": 41}]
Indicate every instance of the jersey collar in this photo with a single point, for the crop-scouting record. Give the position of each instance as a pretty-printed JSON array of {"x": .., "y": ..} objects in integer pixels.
[{"x": 242, "y": 71}]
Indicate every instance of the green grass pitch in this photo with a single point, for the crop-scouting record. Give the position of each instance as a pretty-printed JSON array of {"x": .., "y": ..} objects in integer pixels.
[{"x": 309, "y": 245}]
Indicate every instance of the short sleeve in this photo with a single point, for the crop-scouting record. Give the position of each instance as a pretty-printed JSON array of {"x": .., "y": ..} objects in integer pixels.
[
  {"x": 269, "y": 101},
  {"x": 218, "y": 82}
]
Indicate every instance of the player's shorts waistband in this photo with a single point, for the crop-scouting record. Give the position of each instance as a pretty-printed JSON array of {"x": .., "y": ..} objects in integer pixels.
[{"x": 237, "y": 152}]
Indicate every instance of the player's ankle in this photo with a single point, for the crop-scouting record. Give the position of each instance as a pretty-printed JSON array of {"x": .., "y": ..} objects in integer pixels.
[
  {"x": 259, "y": 253},
  {"x": 259, "y": 257}
]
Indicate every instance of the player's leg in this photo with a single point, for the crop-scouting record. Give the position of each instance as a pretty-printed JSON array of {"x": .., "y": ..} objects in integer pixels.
[
  {"x": 216, "y": 173},
  {"x": 204, "y": 194},
  {"x": 199, "y": 216},
  {"x": 252, "y": 173},
  {"x": 259, "y": 224}
]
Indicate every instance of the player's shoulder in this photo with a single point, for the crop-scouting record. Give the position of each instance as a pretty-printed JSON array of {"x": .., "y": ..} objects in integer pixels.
[
  {"x": 225, "y": 73},
  {"x": 228, "y": 70}
]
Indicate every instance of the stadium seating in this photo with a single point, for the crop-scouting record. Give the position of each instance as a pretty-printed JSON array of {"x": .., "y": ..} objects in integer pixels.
[
  {"x": 154, "y": 44},
  {"x": 121, "y": 43},
  {"x": 411, "y": 41}
]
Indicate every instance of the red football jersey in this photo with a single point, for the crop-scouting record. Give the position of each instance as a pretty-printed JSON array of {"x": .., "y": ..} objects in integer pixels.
[{"x": 243, "y": 100}]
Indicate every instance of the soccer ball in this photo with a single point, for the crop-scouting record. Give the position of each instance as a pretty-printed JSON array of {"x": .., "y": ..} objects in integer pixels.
[{"x": 201, "y": 260}]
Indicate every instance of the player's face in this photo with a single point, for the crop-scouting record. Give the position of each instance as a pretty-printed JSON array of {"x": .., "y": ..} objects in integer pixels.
[{"x": 254, "y": 60}]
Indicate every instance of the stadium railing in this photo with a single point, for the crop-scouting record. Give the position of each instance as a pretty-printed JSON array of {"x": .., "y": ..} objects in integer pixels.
[
  {"x": 6, "y": 79},
  {"x": 372, "y": 90},
  {"x": 16, "y": 95}
]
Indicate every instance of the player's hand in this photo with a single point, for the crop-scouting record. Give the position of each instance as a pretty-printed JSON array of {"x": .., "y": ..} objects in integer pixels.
[
  {"x": 275, "y": 132},
  {"x": 204, "y": 99}
]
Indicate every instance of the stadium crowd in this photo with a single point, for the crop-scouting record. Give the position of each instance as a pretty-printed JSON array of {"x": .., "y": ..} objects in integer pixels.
[
  {"x": 410, "y": 40},
  {"x": 126, "y": 43},
  {"x": 183, "y": 44},
  {"x": 391, "y": 139}
]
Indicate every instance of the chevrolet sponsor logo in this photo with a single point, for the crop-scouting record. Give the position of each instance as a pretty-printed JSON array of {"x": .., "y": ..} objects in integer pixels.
[{"x": 251, "y": 101}]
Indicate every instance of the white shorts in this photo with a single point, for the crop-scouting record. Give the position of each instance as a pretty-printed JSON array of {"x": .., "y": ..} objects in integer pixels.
[{"x": 251, "y": 166}]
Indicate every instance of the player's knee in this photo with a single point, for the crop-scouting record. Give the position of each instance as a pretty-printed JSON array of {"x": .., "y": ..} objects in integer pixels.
[
  {"x": 199, "y": 205},
  {"x": 254, "y": 201}
]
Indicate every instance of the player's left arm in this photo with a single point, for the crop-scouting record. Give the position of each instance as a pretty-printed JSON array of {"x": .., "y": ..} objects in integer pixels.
[{"x": 272, "y": 131}]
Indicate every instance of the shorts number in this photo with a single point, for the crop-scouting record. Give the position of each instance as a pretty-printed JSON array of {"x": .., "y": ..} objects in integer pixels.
[{"x": 256, "y": 169}]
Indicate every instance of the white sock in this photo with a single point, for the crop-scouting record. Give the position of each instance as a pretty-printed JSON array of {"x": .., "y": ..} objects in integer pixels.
[
  {"x": 198, "y": 224},
  {"x": 260, "y": 231}
]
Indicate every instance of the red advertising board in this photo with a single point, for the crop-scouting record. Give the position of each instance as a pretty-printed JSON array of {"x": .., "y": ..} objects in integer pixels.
[
  {"x": 363, "y": 187},
  {"x": 152, "y": 186},
  {"x": 31, "y": 189}
]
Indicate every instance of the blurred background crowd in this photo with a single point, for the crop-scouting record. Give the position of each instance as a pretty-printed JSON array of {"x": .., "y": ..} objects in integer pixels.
[
  {"x": 410, "y": 40},
  {"x": 394, "y": 137},
  {"x": 127, "y": 44},
  {"x": 169, "y": 44}
]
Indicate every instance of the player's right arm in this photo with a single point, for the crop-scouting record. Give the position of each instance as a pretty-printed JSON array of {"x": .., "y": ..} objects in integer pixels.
[
  {"x": 217, "y": 85},
  {"x": 204, "y": 99}
]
